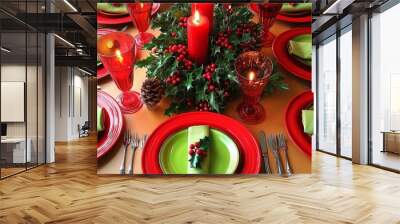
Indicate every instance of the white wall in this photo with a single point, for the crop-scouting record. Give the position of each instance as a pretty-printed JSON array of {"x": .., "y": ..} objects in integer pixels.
[{"x": 70, "y": 83}]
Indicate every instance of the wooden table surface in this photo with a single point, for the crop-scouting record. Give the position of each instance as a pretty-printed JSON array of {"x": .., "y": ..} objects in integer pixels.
[{"x": 146, "y": 121}]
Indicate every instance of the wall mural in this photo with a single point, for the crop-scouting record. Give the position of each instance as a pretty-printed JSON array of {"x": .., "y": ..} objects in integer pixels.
[{"x": 204, "y": 88}]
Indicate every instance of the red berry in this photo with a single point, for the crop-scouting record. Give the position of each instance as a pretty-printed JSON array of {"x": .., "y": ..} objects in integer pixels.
[
  {"x": 197, "y": 144},
  {"x": 192, "y": 146},
  {"x": 173, "y": 34},
  {"x": 191, "y": 152}
]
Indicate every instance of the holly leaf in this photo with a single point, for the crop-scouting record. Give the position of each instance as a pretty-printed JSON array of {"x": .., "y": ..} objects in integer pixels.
[
  {"x": 189, "y": 81},
  {"x": 162, "y": 63},
  {"x": 213, "y": 102},
  {"x": 276, "y": 82},
  {"x": 146, "y": 62},
  {"x": 205, "y": 143}
]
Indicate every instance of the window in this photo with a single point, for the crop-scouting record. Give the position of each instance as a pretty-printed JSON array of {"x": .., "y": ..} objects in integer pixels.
[
  {"x": 345, "y": 94},
  {"x": 327, "y": 96},
  {"x": 385, "y": 89}
]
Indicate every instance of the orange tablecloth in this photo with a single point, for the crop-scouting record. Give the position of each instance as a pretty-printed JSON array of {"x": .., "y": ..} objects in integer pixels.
[{"x": 146, "y": 121}]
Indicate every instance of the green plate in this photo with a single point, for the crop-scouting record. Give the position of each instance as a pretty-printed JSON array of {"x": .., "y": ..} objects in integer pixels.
[
  {"x": 224, "y": 154},
  {"x": 303, "y": 38}
]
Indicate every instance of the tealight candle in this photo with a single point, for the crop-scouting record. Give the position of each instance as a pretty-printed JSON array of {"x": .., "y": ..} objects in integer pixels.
[
  {"x": 117, "y": 53},
  {"x": 253, "y": 72}
]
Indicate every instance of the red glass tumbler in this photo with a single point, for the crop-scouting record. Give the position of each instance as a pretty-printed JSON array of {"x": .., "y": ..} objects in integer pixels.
[
  {"x": 268, "y": 13},
  {"x": 117, "y": 53},
  {"x": 141, "y": 17},
  {"x": 253, "y": 71}
]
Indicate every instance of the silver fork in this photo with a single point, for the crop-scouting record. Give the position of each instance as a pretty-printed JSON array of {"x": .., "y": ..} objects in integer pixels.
[
  {"x": 127, "y": 141},
  {"x": 134, "y": 146},
  {"x": 272, "y": 143},
  {"x": 283, "y": 146}
]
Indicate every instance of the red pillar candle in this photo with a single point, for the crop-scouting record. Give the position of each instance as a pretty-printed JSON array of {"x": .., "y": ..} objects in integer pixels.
[
  {"x": 205, "y": 9},
  {"x": 198, "y": 28}
]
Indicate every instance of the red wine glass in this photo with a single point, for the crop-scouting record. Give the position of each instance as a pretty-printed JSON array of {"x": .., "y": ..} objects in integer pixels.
[
  {"x": 268, "y": 13},
  {"x": 141, "y": 17},
  {"x": 117, "y": 53},
  {"x": 253, "y": 71}
]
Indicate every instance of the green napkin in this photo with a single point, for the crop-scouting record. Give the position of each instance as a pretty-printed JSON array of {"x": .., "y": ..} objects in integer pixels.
[
  {"x": 300, "y": 47},
  {"x": 308, "y": 121},
  {"x": 195, "y": 134},
  {"x": 100, "y": 119},
  {"x": 117, "y": 8},
  {"x": 293, "y": 7}
]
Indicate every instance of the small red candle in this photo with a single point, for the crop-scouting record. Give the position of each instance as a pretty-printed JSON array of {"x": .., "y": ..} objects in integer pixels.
[
  {"x": 205, "y": 9},
  {"x": 198, "y": 29}
]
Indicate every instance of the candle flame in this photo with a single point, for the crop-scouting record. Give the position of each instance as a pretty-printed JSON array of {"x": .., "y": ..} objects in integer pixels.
[
  {"x": 196, "y": 18},
  {"x": 141, "y": 5},
  {"x": 110, "y": 44},
  {"x": 229, "y": 6},
  {"x": 119, "y": 56},
  {"x": 252, "y": 75}
]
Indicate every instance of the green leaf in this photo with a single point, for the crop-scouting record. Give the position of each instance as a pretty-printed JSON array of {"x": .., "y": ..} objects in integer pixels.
[
  {"x": 189, "y": 81},
  {"x": 146, "y": 62},
  {"x": 205, "y": 143},
  {"x": 213, "y": 102}
]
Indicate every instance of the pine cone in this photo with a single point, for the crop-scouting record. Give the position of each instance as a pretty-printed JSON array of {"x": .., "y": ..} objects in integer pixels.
[{"x": 152, "y": 91}]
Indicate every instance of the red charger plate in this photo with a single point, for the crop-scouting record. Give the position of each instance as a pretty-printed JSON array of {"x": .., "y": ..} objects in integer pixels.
[
  {"x": 294, "y": 19},
  {"x": 113, "y": 123},
  {"x": 114, "y": 20},
  {"x": 294, "y": 125},
  {"x": 285, "y": 17},
  {"x": 101, "y": 72},
  {"x": 247, "y": 144},
  {"x": 279, "y": 48}
]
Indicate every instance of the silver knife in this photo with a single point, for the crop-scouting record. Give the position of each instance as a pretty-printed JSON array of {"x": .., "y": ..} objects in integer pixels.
[{"x": 264, "y": 151}]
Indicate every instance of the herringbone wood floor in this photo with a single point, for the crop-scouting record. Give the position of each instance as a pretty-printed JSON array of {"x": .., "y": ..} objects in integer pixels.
[{"x": 69, "y": 191}]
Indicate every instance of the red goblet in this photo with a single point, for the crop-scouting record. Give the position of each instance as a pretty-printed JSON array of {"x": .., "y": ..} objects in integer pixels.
[
  {"x": 141, "y": 16},
  {"x": 268, "y": 13},
  {"x": 253, "y": 71},
  {"x": 117, "y": 53}
]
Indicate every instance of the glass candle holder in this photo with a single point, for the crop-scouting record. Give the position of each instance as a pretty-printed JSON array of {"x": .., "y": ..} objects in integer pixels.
[
  {"x": 268, "y": 13},
  {"x": 141, "y": 17},
  {"x": 117, "y": 53},
  {"x": 253, "y": 72}
]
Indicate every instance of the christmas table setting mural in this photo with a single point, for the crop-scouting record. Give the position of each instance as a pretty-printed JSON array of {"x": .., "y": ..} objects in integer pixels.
[{"x": 205, "y": 88}]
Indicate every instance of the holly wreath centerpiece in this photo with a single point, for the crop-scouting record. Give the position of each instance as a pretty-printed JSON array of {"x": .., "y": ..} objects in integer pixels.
[{"x": 202, "y": 86}]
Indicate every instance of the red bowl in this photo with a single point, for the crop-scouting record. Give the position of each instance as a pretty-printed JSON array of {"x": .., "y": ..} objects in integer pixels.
[
  {"x": 293, "y": 121},
  {"x": 113, "y": 123},
  {"x": 288, "y": 62},
  {"x": 247, "y": 144}
]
